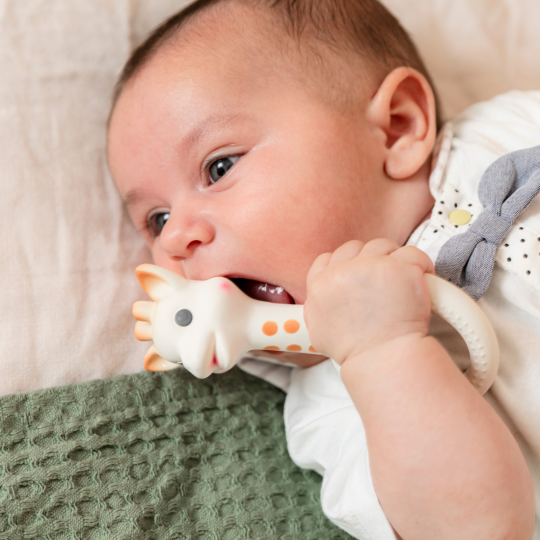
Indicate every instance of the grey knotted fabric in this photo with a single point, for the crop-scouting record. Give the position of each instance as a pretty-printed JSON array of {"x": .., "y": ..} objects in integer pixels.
[{"x": 505, "y": 190}]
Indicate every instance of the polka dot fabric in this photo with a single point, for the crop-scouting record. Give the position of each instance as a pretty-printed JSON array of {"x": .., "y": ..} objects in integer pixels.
[
  {"x": 450, "y": 200},
  {"x": 519, "y": 252},
  {"x": 154, "y": 456}
]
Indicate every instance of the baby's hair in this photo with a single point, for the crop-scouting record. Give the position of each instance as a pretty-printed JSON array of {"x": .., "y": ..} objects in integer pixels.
[{"x": 341, "y": 36}]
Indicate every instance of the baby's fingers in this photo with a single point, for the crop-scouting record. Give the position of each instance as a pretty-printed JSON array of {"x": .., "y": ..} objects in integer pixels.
[
  {"x": 379, "y": 246},
  {"x": 319, "y": 264},
  {"x": 346, "y": 252},
  {"x": 413, "y": 255}
]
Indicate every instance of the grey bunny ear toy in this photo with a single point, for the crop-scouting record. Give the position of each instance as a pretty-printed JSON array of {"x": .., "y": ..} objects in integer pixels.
[
  {"x": 209, "y": 325},
  {"x": 507, "y": 187}
]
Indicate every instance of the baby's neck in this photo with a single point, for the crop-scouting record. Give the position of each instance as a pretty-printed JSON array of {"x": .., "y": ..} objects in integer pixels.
[{"x": 409, "y": 205}]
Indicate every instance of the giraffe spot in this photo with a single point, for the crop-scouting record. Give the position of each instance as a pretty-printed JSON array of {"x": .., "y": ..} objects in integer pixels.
[
  {"x": 294, "y": 348},
  {"x": 269, "y": 328},
  {"x": 271, "y": 348},
  {"x": 311, "y": 349},
  {"x": 291, "y": 326}
]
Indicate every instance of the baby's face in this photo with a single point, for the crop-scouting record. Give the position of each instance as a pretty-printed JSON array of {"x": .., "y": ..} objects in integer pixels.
[{"x": 230, "y": 170}]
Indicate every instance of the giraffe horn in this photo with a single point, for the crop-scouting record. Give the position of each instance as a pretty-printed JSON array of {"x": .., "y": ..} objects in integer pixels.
[
  {"x": 159, "y": 283},
  {"x": 154, "y": 362}
]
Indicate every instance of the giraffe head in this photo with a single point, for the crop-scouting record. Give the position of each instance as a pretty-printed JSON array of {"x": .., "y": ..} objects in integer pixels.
[{"x": 195, "y": 323}]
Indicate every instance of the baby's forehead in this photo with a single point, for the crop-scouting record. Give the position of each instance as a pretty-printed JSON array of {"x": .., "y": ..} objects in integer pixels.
[
  {"x": 233, "y": 27},
  {"x": 201, "y": 65},
  {"x": 238, "y": 40}
]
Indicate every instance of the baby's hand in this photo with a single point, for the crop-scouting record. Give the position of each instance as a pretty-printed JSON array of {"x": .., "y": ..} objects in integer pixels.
[{"x": 364, "y": 295}]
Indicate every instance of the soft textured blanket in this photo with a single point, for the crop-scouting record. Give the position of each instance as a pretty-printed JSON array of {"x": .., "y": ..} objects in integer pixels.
[{"x": 157, "y": 456}]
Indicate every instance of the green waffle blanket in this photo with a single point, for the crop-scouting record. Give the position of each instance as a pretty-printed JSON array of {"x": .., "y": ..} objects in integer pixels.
[{"x": 154, "y": 456}]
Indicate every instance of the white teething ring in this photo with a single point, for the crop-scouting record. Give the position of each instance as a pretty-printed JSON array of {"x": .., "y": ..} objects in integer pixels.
[{"x": 461, "y": 311}]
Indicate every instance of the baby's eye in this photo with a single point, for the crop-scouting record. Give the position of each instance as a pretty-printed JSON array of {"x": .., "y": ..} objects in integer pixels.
[
  {"x": 218, "y": 169},
  {"x": 156, "y": 221}
]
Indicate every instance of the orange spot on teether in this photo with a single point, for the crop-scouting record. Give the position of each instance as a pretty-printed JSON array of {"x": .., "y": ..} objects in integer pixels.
[
  {"x": 291, "y": 326},
  {"x": 271, "y": 348},
  {"x": 311, "y": 349},
  {"x": 269, "y": 328},
  {"x": 294, "y": 348}
]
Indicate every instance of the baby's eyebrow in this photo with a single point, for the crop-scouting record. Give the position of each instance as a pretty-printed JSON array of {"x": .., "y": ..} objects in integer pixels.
[
  {"x": 193, "y": 136},
  {"x": 209, "y": 123},
  {"x": 131, "y": 198}
]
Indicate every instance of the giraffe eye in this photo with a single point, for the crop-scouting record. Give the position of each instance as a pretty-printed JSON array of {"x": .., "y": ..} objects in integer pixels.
[{"x": 183, "y": 317}]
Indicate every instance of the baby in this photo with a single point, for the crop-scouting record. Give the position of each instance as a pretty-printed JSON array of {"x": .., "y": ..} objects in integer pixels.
[{"x": 293, "y": 143}]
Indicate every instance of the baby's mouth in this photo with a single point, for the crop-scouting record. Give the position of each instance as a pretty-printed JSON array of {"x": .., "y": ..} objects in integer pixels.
[{"x": 263, "y": 291}]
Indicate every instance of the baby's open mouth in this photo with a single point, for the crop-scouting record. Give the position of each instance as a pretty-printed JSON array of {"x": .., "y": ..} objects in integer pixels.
[{"x": 263, "y": 291}]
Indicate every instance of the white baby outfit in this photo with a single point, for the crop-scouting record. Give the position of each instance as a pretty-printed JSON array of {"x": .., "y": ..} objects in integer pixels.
[{"x": 324, "y": 430}]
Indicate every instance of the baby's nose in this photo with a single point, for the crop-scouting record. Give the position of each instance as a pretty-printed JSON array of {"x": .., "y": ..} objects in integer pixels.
[{"x": 182, "y": 235}]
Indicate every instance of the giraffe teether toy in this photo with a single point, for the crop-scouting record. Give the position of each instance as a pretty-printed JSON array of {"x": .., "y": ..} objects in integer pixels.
[{"x": 209, "y": 325}]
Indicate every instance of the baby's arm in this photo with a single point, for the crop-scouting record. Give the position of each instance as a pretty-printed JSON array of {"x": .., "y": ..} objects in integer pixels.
[{"x": 443, "y": 463}]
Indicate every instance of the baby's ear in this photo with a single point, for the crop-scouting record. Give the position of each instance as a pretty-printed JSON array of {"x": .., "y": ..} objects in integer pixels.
[
  {"x": 403, "y": 108},
  {"x": 159, "y": 282}
]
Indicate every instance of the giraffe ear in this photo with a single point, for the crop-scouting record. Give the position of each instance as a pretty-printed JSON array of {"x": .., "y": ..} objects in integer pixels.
[
  {"x": 154, "y": 362},
  {"x": 159, "y": 282}
]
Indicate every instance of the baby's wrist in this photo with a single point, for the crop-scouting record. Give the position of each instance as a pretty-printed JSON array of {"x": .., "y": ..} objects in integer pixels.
[{"x": 375, "y": 358}]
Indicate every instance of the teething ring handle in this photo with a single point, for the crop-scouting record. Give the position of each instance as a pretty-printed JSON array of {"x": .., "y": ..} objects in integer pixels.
[
  {"x": 461, "y": 311},
  {"x": 458, "y": 309}
]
